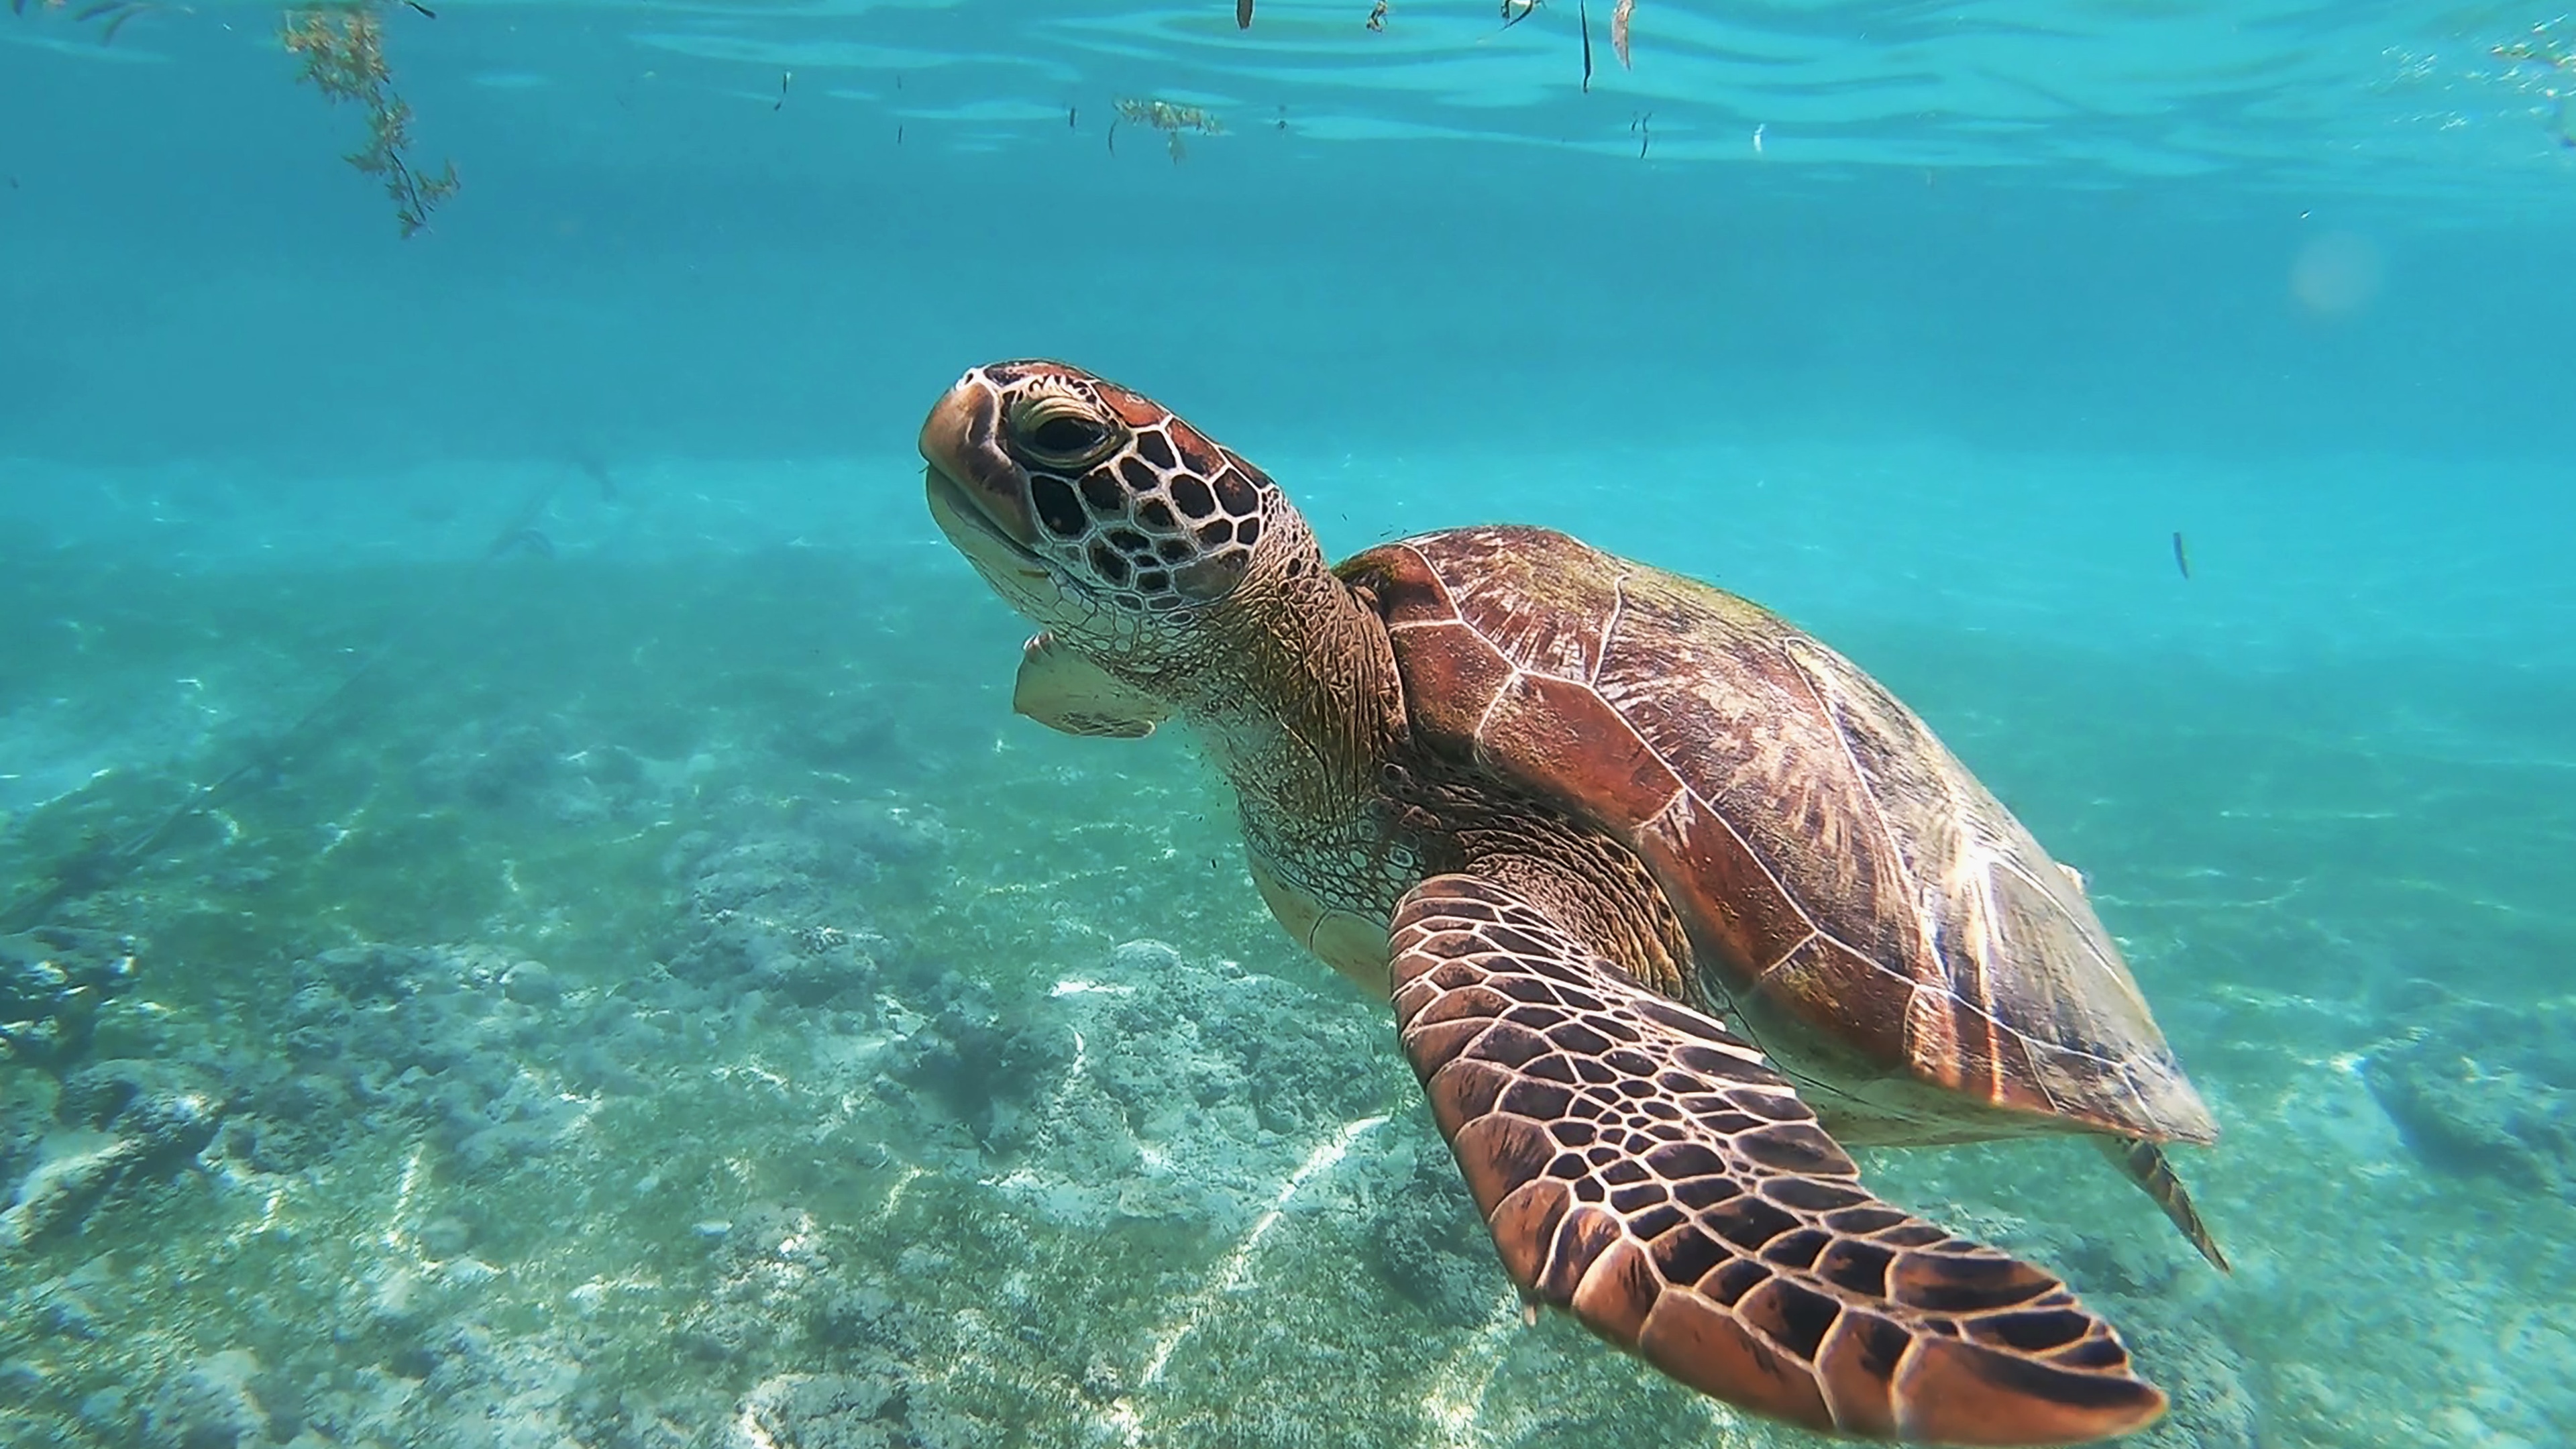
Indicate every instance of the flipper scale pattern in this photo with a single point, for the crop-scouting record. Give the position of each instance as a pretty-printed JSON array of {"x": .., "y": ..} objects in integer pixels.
[{"x": 1642, "y": 1168}]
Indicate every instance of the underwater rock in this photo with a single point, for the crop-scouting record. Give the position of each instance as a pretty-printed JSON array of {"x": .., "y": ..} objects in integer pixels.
[
  {"x": 980, "y": 1066},
  {"x": 2210, "y": 1406},
  {"x": 121, "y": 1125},
  {"x": 53, "y": 980},
  {"x": 859, "y": 735},
  {"x": 475, "y": 1045},
  {"x": 823, "y": 1411},
  {"x": 485, "y": 1390},
  {"x": 172, "y": 1108},
  {"x": 530, "y": 984},
  {"x": 1429, "y": 1242},
  {"x": 2480, "y": 1087},
  {"x": 446, "y": 1236},
  {"x": 775, "y": 914},
  {"x": 1165, "y": 1088},
  {"x": 493, "y": 764},
  {"x": 553, "y": 767},
  {"x": 882, "y": 831},
  {"x": 772, "y": 1270},
  {"x": 26, "y": 1115},
  {"x": 209, "y": 1404}
]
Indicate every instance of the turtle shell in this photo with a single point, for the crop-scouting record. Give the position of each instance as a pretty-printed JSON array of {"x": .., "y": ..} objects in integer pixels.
[{"x": 1854, "y": 898}]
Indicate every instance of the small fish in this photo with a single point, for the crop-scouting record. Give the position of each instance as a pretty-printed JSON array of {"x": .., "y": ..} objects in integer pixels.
[
  {"x": 1377, "y": 17},
  {"x": 898, "y": 135},
  {"x": 784, "y": 77},
  {"x": 1113, "y": 135},
  {"x": 1283, "y": 120},
  {"x": 2182, "y": 558},
  {"x": 1069, "y": 113},
  {"x": 425, "y": 12},
  {"x": 1243, "y": 14},
  {"x": 1583, "y": 17},
  {"x": 1619, "y": 31},
  {"x": 1757, "y": 136},
  {"x": 1645, "y": 133}
]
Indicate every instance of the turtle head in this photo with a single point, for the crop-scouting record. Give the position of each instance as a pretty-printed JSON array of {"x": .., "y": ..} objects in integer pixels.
[{"x": 1094, "y": 511}]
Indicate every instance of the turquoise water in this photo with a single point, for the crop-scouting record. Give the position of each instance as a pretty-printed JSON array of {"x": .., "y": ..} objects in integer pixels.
[{"x": 531, "y": 920}]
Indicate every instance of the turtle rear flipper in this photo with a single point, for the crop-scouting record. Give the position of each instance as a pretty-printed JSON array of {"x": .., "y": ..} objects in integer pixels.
[
  {"x": 2145, "y": 1164},
  {"x": 1640, "y": 1166}
]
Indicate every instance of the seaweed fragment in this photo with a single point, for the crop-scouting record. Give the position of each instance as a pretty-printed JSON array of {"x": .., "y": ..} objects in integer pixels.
[
  {"x": 1168, "y": 118},
  {"x": 2549, "y": 46},
  {"x": 342, "y": 47},
  {"x": 1584, "y": 15},
  {"x": 115, "y": 12}
]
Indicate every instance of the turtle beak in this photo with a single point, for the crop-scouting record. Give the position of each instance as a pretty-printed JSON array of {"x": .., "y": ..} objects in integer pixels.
[{"x": 969, "y": 473}]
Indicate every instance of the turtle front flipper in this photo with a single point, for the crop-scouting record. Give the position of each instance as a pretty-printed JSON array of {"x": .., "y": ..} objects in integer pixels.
[
  {"x": 1062, "y": 690},
  {"x": 1643, "y": 1168}
]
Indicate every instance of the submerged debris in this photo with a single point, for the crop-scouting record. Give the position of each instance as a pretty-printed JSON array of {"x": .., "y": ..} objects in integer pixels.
[
  {"x": 2543, "y": 48},
  {"x": 114, "y": 12},
  {"x": 1168, "y": 118},
  {"x": 344, "y": 58},
  {"x": 1583, "y": 17},
  {"x": 2547, "y": 46},
  {"x": 52, "y": 982},
  {"x": 2483, "y": 1088}
]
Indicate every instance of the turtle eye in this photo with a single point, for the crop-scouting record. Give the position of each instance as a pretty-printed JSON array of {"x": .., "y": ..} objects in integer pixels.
[{"x": 1060, "y": 432}]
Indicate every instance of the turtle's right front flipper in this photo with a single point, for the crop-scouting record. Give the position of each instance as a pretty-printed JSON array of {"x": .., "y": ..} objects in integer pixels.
[
  {"x": 1062, "y": 690},
  {"x": 1643, "y": 1168}
]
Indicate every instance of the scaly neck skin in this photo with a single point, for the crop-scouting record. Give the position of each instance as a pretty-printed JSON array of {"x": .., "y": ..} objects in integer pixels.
[{"x": 1297, "y": 699}]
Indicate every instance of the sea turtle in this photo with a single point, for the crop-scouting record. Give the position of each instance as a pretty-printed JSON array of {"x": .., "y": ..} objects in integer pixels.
[{"x": 1655, "y": 882}]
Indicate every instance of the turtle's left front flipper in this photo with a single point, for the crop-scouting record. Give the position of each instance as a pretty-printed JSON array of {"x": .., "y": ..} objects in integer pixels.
[{"x": 1642, "y": 1167}]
